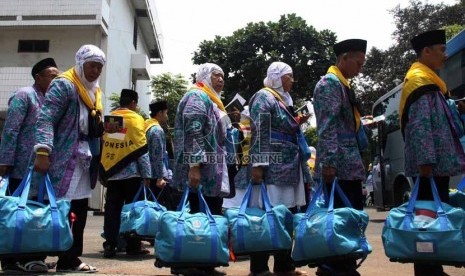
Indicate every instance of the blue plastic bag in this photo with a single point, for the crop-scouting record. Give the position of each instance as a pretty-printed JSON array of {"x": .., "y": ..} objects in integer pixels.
[
  {"x": 257, "y": 230},
  {"x": 425, "y": 231},
  {"x": 192, "y": 239},
  {"x": 31, "y": 226},
  {"x": 141, "y": 217}
]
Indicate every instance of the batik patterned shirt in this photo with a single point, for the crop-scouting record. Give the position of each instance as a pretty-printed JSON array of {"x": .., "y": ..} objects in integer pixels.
[
  {"x": 337, "y": 143},
  {"x": 18, "y": 133},
  {"x": 429, "y": 139}
]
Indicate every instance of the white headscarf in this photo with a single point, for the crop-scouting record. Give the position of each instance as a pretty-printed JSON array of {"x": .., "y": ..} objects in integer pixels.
[
  {"x": 273, "y": 80},
  {"x": 204, "y": 74},
  {"x": 84, "y": 54}
]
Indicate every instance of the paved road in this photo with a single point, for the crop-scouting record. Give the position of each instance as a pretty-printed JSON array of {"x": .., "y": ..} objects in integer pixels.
[{"x": 376, "y": 264}]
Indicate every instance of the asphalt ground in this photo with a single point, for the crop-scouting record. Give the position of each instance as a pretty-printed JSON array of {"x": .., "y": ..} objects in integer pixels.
[{"x": 376, "y": 264}]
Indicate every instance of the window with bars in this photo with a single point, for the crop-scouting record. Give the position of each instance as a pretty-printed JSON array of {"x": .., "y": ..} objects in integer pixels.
[{"x": 34, "y": 46}]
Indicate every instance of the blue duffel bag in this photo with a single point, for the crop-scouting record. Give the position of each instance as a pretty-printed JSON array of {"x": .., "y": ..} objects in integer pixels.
[
  {"x": 28, "y": 227},
  {"x": 325, "y": 233},
  {"x": 425, "y": 231},
  {"x": 257, "y": 230},
  {"x": 141, "y": 217},
  {"x": 185, "y": 239},
  {"x": 457, "y": 197}
]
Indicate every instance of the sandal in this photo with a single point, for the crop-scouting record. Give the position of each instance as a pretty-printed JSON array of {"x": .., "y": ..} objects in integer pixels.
[
  {"x": 32, "y": 266},
  {"x": 82, "y": 268}
]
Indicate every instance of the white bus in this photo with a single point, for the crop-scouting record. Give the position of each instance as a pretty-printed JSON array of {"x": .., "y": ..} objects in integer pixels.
[{"x": 391, "y": 186}]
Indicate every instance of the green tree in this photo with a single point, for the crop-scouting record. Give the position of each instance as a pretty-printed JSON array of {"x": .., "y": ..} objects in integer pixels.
[
  {"x": 114, "y": 98},
  {"x": 170, "y": 88},
  {"x": 311, "y": 136},
  {"x": 246, "y": 54}
]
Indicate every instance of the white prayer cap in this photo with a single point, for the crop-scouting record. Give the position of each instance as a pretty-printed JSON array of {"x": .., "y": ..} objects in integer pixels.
[
  {"x": 90, "y": 52},
  {"x": 274, "y": 73},
  {"x": 205, "y": 72}
]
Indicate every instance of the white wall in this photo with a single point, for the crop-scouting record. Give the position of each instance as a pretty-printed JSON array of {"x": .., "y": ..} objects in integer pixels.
[
  {"x": 64, "y": 42},
  {"x": 120, "y": 37}
]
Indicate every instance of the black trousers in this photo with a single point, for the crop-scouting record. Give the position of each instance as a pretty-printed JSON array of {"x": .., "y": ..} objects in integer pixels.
[
  {"x": 442, "y": 185},
  {"x": 167, "y": 196},
  {"x": 118, "y": 193},
  {"x": 70, "y": 259},
  {"x": 282, "y": 260},
  {"x": 9, "y": 261},
  {"x": 425, "y": 193}
]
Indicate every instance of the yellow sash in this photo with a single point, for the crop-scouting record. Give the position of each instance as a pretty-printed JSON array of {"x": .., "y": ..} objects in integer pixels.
[
  {"x": 422, "y": 79},
  {"x": 211, "y": 94},
  {"x": 82, "y": 91},
  {"x": 335, "y": 71},
  {"x": 150, "y": 123},
  {"x": 124, "y": 147}
]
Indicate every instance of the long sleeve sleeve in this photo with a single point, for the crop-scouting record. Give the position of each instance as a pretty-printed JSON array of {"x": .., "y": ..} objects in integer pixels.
[
  {"x": 17, "y": 111},
  {"x": 327, "y": 103}
]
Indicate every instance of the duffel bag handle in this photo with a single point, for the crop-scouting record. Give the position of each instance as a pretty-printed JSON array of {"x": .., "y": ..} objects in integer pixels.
[
  {"x": 245, "y": 200},
  {"x": 144, "y": 188},
  {"x": 266, "y": 199},
  {"x": 182, "y": 208},
  {"x": 341, "y": 194},
  {"x": 312, "y": 204},
  {"x": 437, "y": 200}
]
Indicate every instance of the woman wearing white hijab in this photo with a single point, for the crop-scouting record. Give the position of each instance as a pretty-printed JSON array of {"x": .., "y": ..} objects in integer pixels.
[
  {"x": 274, "y": 132},
  {"x": 67, "y": 143},
  {"x": 199, "y": 135}
]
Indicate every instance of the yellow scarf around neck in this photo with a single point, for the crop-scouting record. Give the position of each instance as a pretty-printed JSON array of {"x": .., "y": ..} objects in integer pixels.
[
  {"x": 124, "y": 147},
  {"x": 82, "y": 91},
  {"x": 211, "y": 94},
  {"x": 335, "y": 71},
  {"x": 419, "y": 76},
  {"x": 150, "y": 123},
  {"x": 280, "y": 99}
]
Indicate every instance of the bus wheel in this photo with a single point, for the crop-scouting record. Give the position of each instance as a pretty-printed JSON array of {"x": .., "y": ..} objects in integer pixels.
[{"x": 402, "y": 192}]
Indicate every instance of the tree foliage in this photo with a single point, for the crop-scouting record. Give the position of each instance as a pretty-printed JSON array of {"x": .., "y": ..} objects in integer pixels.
[
  {"x": 171, "y": 88},
  {"x": 311, "y": 136},
  {"x": 246, "y": 54}
]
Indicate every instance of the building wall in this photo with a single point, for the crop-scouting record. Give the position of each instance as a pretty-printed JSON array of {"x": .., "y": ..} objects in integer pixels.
[
  {"x": 120, "y": 37},
  {"x": 16, "y": 67},
  {"x": 66, "y": 36}
]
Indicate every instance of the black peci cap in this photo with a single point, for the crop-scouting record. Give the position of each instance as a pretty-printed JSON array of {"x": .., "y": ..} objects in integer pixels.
[
  {"x": 158, "y": 106},
  {"x": 130, "y": 94},
  {"x": 350, "y": 45},
  {"x": 428, "y": 38},
  {"x": 42, "y": 65}
]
